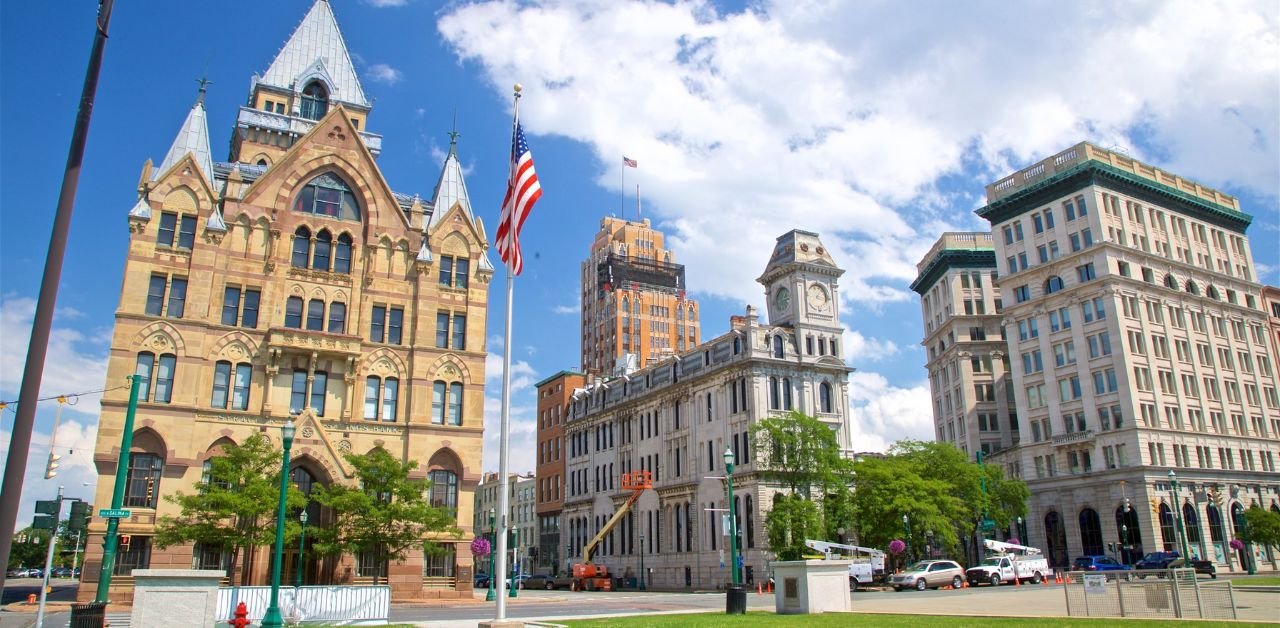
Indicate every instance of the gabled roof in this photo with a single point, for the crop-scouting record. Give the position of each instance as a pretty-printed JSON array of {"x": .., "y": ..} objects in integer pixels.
[
  {"x": 192, "y": 138},
  {"x": 451, "y": 188},
  {"x": 316, "y": 49}
]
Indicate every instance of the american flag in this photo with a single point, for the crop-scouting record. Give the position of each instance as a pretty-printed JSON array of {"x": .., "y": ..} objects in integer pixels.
[
  {"x": 630, "y": 163},
  {"x": 523, "y": 191}
]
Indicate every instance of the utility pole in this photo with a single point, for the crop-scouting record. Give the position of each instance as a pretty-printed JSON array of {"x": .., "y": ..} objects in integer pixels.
[{"x": 33, "y": 371}]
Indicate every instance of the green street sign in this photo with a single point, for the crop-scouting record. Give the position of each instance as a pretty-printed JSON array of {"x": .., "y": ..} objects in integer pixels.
[
  {"x": 47, "y": 507},
  {"x": 108, "y": 513},
  {"x": 988, "y": 525},
  {"x": 45, "y": 522}
]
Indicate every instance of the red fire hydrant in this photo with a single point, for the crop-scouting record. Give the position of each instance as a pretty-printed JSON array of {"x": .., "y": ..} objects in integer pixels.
[{"x": 241, "y": 620}]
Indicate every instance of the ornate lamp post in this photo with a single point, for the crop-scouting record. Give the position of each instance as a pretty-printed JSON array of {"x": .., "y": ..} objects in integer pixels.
[
  {"x": 302, "y": 545},
  {"x": 1177, "y": 519},
  {"x": 1022, "y": 531},
  {"x": 736, "y": 600},
  {"x": 493, "y": 543},
  {"x": 906, "y": 530},
  {"x": 273, "y": 619},
  {"x": 642, "y": 587}
]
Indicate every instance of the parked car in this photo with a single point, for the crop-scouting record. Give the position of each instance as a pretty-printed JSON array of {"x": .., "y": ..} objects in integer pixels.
[
  {"x": 60, "y": 572},
  {"x": 929, "y": 574},
  {"x": 481, "y": 581},
  {"x": 548, "y": 582},
  {"x": 1158, "y": 560},
  {"x": 11, "y": 572},
  {"x": 1100, "y": 564},
  {"x": 1205, "y": 567}
]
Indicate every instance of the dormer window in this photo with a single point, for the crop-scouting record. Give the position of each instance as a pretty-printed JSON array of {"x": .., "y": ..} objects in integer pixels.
[
  {"x": 327, "y": 195},
  {"x": 315, "y": 101}
]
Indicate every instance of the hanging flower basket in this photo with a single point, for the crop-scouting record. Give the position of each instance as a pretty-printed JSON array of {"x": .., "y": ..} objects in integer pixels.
[
  {"x": 897, "y": 547},
  {"x": 1237, "y": 544},
  {"x": 480, "y": 546}
]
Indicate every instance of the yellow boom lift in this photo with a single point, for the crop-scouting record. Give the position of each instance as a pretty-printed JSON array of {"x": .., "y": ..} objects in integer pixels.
[{"x": 588, "y": 576}]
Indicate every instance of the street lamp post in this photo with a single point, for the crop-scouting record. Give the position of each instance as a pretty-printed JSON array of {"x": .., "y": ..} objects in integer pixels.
[
  {"x": 642, "y": 585},
  {"x": 1181, "y": 532},
  {"x": 272, "y": 618},
  {"x": 493, "y": 543},
  {"x": 736, "y": 600},
  {"x": 1022, "y": 534},
  {"x": 302, "y": 545},
  {"x": 906, "y": 530},
  {"x": 1248, "y": 546}
]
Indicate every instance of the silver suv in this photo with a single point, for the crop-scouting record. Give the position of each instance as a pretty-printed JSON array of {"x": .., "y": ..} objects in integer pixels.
[{"x": 929, "y": 574}]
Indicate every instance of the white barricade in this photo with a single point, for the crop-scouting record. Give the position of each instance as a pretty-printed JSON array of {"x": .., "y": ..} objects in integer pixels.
[{"x": 337, "y": 605}]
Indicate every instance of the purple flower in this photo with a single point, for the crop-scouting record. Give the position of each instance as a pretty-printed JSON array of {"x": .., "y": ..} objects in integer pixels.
[
  {"x": 897, "y": 547},
  {"x": 1237, "y": 544},
  {"x": 480, "y": 546}
]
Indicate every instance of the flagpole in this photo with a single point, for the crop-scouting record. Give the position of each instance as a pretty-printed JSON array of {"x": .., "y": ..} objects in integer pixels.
[
  {"x": 622, "y": 202},
  {"x": 504, "y": 444}
]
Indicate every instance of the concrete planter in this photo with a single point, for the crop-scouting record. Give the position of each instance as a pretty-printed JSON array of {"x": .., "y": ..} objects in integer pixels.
[
  {"x": 175, "y": 598},
  {"x": 811, "y": 586}
]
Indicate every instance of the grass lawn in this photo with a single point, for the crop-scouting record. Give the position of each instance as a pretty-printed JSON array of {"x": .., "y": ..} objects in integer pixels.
[
  {"x": 1264, "y": 581},
  {"x": 759, "y": 619}
]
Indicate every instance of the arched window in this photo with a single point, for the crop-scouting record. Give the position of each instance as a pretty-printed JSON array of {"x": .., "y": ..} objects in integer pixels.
[
  {"x": 390, "y": 395},
  {"x": 1191, "y": 287},
  {"x": 438, "y": 391},
  {"x": 786, "y": 393},
  {"x": 145, "y": 365},
  {"x": 306, "y": 484},
  {"x": 1129, "y": 531},
  {"x": 1055, "y": 535},
  {"x": 1170, "y": 282},
  {"x": 1090, "y": 532},
  {"x": 455, "y": 404},
  {"x": 824, "y": 397},
  {"x": 444, "y": 489},
  {"x": 293, "y": 313},
  {"x": 751, "y": 529},
  {"x": 381, "y": 397},
  {"x": 162, "y": 392},
  {"x": 337, "y": 318},
  {"x": 315, "y": 101},
  {"x": 1167, "y": 535},
  {"x": 1216, "y": 533},
  {"x": 737, "y": 345},
  {"x": 1213, "y": 293},
  {"x": 142, "y": 484},
  {"x": 342, "y": 254},
  {"x": 226, "y": 389},
  {"x": 328, "y": 195},
  {"x": 315, "y": 315},
  {"x": 1052, "y": 284},
  {"x": 679, "y": 312},
  {"x": 1238, "y": 527},
  {"x": 1191, "y": 523},
  {"x": 774, "y": 396},
  {"x": 777, "y": 347},
  {"x": 301, "y": 247},
  {"x": 320, "y": 254},
  {"x": 372, "y": 385}
]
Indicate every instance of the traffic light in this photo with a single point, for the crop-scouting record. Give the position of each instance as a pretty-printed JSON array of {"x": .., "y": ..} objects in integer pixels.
[
  {"x": 123, "y": 540},
  {"x": 81, "y": 512},
  {"x": 1155, "y": 507},
  {"x": 151, "y": 491},
  {"x": 51, "y": 468}
]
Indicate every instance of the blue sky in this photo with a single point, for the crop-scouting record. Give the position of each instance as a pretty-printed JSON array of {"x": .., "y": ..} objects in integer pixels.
[{"x": 876, "y": 124}]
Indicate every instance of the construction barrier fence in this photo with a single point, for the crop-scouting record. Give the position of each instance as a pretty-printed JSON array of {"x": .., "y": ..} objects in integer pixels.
[
  {"x": 335, "y": 605},
  {"x": 1149, "y": 593}
]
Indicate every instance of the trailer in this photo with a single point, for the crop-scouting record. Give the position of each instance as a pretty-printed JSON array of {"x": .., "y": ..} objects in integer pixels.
[
  {"x": 1008, "y": 562},
  {"x": 864, "y": 570},
  {"x": 588, "y": 576}
]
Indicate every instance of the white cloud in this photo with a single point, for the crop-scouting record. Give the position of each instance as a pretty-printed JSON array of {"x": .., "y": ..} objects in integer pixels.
[
  {"x": 383, "y": 73},
  {"x": 805, "y": 126},
  {"x": 523, "y": 438},
  {"x": 75, "y": 445},
  {"x": 859, "y": 348},
  {"x": 883, "y": 413},
  {"x": 565, "y": 309},
  {"x": 386, "y": 3},
  {"x": 74, "y": 363}
]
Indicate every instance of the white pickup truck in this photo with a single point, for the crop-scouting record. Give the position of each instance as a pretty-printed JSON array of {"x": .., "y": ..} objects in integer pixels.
[
  {"x": 862, "y": 571},
  {"x": 1011, "y": 563}
]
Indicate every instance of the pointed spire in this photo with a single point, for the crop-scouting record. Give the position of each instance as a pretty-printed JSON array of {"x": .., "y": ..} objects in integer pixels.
[
  {"x": 485, "y": 264},
  {"x": 424, "y": 253},
  {"x": 316, "y": 49},
  {"x": 192, "y": 138},
  {"x": 142, "y": 209},
  {"x": 451, "y": 188},
  {"x": 215, "y": 220}
]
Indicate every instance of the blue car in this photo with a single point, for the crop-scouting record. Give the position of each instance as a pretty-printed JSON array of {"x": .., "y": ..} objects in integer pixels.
[{"x": 1098, "y": 563}]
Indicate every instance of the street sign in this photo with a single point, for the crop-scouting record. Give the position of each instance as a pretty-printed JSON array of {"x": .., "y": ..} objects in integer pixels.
[
  {"x": 988, "y": 525},
  {"x": 44, "y": 522},
  {"x": 108, "y": 513},
  {"x": 49, "y": 507}
]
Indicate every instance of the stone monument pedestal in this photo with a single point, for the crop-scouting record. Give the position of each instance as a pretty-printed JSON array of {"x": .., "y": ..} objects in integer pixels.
[
  {"x": 175, "y": 598},
  {"x": 811, "y": 586}
]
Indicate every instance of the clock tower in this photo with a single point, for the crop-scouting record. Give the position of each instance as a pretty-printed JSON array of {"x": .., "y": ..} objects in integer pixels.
[{"x": 800, "y": 284}]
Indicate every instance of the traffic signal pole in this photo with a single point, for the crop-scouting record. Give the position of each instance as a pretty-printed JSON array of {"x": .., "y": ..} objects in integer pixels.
[
  {"x": 117, "y": 496},
  {"x": 48, "y": 560}
]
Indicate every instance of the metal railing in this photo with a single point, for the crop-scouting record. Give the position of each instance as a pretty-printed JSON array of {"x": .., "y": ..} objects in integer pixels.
[
  {"x": 329, "y": 604},
  {"x": 1148, "y": 593}
]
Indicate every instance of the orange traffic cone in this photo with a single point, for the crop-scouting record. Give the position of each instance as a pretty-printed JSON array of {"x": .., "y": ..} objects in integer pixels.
[
  {"x": 1017, "y": 582},
  {"x": 759, "y": 589},
  {"x": 1045, "y": 582}
]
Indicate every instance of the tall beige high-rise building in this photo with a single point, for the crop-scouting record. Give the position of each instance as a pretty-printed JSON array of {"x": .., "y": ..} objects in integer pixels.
[
  {"x": 634, "y": 308},
  {"x": 973, "y": 403},
  {"x": 1138, "y": 342},
  {"x": 290, "y": 283}
]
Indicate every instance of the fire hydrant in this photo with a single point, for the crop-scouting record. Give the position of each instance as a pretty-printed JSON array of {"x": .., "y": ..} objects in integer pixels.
[{"x": 241, "y": 620}]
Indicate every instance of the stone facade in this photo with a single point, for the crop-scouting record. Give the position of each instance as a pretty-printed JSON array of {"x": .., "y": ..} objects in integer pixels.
[
  {"x": 676, "y": 419},
  {"x": 296, "y": 287},
  {"x": 1138, "y": 341}
]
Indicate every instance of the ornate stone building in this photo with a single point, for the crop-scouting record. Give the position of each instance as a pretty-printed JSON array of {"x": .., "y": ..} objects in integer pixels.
[
  {"x": 676, "y": 419},
  {"x": 291, "y": 283}
]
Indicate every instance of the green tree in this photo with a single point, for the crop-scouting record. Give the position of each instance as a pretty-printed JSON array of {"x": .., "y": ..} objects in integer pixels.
[
  {"x": 234, "y": 506},
  {"x": 1264, "y": 526},
  {"x": 29, "y": 548},
  {"x": 801, "y": 453},
  {"x": 890, "y": 487},
  {"x": 387, "y": 513}
]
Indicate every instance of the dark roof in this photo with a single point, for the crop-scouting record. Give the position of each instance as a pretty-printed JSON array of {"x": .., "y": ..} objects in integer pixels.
[{"x": 952, "y": 258}]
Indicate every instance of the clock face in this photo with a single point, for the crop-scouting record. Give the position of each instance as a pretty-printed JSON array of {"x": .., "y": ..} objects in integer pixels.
[
  {"x": 782, "y": 298},
  {"x": 818, "y": 297}
]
